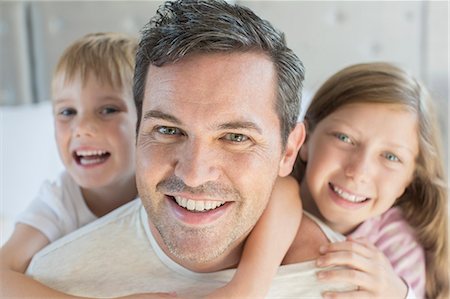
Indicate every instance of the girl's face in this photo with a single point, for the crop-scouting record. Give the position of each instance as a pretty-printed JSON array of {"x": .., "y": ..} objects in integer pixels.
[
  {"x": 360, "y": 159},
  {"x": 95, "y": 132}
]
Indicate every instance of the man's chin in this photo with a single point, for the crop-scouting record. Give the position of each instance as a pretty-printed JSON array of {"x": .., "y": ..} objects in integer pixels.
[{"x": 196, "y": 250}]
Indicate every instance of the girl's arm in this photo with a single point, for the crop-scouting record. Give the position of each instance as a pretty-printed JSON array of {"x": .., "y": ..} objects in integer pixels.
[
  {"x": 267, "y": 244},
  {"x": 15, "y": 256}
]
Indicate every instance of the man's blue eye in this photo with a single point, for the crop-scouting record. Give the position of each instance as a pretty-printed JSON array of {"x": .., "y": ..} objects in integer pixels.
[
  {"x": 391, "y": 157},
  {"x": 168, "y": 130},
  {"x": 236, "y": 137}
]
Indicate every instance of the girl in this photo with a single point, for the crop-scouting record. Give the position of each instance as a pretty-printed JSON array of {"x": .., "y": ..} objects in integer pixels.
[{"x": 371, "y": 167}]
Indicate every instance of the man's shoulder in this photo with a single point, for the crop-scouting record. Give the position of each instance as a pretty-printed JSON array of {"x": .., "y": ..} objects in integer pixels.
[
  {"x": 307, "y": 242},
  {"x": 97, "y": 227}
]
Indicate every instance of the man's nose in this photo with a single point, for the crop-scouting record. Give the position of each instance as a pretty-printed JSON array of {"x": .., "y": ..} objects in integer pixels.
[
  {"x": 197, "y": 163},
  {"x": 85, "y": 125}
]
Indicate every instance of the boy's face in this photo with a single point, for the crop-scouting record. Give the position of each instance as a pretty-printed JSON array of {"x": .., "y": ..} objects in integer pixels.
[{"x": 95, "y": 132}]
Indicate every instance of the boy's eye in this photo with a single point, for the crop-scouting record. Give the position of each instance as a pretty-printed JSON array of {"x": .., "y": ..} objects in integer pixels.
[
  {"x": 391, "y": 157},
  {"x": 343, "y": 137},
  {"x": 67, "y": 112},
  {"x": 234, "y": 137},
  {"x": 168, "y": 130},
  {"x": 109, "y": 110}
]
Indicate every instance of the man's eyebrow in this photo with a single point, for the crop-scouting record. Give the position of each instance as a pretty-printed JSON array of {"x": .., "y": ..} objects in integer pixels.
[
  {"x": 236, "y": 125},
  {"x": 161, "y": 115}
]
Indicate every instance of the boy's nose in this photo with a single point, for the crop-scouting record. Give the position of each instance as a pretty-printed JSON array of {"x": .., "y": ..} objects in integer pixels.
[
  {"x": 85, "y": 126},
  {"x": 197, "y": 164}
]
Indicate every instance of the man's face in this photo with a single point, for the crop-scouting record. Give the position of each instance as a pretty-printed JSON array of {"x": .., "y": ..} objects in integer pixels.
[{"x": 208, "y": 152}]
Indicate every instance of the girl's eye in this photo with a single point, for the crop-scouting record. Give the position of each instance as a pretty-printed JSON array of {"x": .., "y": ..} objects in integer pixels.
[
  {"x": 67, "y": 112},
  {"x": 391, "y": 157},
  {"x": 344, "y": 138},
  {"x": 236, "y": 137},
  {"x": 109, "y": 110},
  {"x": 168, "y": 130}
]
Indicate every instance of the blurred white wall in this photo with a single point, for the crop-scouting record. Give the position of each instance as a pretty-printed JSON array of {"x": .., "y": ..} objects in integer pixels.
[{"x": 326, "y": 35}]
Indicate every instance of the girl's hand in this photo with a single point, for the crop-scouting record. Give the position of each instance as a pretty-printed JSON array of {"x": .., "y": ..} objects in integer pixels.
[
  {"x": 150, "y": 296},
  {"x": 365, "y": 266}
]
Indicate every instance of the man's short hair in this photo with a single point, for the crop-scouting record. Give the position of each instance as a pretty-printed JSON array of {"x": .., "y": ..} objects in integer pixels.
[{"x": 185, "y": 27}]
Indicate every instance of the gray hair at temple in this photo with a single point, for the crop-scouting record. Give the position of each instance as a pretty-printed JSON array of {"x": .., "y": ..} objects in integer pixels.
[{"x": 186, "y": 27}]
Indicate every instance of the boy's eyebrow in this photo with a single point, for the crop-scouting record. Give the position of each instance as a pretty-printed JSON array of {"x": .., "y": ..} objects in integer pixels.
[
  {"x": 106, "y": 97},
  {"x": 161, "y": 115}
]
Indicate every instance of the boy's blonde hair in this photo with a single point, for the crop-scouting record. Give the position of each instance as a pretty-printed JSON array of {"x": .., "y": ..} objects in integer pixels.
[
  {"x": 109, "y": 56},
  {"x": 424, "y": 203}
]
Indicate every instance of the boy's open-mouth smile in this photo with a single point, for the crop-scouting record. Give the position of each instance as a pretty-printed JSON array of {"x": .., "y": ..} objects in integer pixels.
[{"x": 90, "y": 157}]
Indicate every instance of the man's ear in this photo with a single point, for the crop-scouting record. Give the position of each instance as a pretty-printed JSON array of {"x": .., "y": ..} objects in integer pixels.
[{"x": 293, "y": 144}]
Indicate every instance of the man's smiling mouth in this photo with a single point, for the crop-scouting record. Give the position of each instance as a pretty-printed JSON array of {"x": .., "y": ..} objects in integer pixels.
[{"x": 197, "y": 205}]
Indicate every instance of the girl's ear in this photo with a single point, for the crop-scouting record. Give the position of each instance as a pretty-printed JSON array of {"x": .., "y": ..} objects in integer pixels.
[{"x": 294, "y": 142}]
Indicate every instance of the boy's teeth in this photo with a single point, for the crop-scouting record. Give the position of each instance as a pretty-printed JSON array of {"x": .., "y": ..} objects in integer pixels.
[
  {"x": 197, "y": 205},
  {"x": 90, "y": 153},
  {"x": 348, "y": 196},
  {"x": 84, "y": 161}
]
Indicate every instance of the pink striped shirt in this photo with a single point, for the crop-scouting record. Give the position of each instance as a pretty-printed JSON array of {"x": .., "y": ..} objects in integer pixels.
[{"x": 391, "y": 234}]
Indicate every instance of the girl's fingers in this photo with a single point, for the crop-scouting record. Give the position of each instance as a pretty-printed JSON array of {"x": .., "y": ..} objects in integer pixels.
[
  {"x": 351, "y": 276},
  {"x": 348, "y": 258},
  {"x": 361, "y": 247},
  {"x": 357, "y": 294}
]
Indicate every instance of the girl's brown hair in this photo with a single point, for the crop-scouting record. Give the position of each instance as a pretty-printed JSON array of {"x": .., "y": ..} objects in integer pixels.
[{"x": 424, "y": 203}]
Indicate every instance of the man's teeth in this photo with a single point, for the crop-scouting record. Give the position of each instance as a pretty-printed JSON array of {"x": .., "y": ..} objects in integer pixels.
[
  {"x": 91, "y": 153},
  {"x": 197, "y": 205},
  {"x": 348, "y": 196}
]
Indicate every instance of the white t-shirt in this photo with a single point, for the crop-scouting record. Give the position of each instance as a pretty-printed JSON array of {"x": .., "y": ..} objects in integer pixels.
[
  {"x": 58, "y": 209},
  {"x": 118, "y": 255}
]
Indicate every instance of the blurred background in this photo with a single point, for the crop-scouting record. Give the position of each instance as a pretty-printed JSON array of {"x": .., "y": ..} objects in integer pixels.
[{"x": 326, "y": 35}]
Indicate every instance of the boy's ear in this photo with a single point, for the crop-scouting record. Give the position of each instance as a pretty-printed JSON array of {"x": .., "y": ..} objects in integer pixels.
[{"x": 293, "y": 144}]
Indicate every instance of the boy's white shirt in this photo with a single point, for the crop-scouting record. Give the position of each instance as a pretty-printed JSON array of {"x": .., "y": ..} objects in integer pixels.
[
  {"x": 58, "y": 209},
  {"x": 117, "y": 255}
]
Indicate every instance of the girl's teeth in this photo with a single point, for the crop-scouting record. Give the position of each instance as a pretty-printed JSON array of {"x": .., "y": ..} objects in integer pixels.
[
  {"x": 348, "y": 196},
  {"x": 197, "y": 205}
]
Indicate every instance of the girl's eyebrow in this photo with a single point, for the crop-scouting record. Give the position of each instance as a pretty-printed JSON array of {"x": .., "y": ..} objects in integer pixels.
[{"x": 343, "y": 121}]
